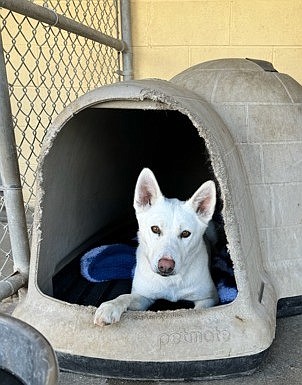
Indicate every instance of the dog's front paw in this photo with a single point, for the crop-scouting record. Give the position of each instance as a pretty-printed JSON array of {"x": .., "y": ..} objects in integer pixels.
[{"x": 108, "y": 313}]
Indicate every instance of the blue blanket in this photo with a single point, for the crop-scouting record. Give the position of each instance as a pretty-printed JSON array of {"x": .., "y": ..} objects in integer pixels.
[
  {"x": 109, "y": 262},
  {"x": 117, "y": 261}
]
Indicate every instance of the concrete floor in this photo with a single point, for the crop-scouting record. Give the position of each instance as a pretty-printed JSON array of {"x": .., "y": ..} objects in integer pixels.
[{"x": 282, "y": 365}]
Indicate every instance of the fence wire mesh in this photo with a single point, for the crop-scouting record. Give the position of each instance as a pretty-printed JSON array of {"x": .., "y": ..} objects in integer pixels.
[{"x": 47, "y": 68}]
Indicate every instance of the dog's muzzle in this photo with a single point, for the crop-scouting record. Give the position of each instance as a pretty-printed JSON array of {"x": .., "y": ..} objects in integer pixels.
[{"x": 166, "y": 266}]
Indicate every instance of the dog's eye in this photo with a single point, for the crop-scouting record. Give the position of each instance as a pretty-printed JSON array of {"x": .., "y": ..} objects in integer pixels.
[
  {"x": 185, "y": 234},
  {"x": 155, "y": 229}
]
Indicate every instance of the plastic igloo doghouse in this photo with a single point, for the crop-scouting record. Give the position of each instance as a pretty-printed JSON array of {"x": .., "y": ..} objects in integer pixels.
[{"x": 236, "y": 121}]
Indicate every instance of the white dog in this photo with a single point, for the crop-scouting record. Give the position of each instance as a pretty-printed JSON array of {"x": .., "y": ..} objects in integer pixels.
[{"x": 172, "y": 259}]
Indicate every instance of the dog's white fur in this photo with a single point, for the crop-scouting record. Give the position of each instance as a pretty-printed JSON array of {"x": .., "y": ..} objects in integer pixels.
[{"x": 172, "y": 259}]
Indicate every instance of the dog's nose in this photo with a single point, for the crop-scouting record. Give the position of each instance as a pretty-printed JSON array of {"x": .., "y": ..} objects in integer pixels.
[{"x": 166, "y": 266}]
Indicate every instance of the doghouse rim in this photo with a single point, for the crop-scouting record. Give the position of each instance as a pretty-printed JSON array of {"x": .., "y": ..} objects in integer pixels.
[{"x": 237, "y": 317}]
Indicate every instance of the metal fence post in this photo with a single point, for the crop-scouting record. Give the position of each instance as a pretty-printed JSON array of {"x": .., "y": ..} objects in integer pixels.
[
  {"x": 11, "y": 186},
  {"x": 127, "y": 54}
]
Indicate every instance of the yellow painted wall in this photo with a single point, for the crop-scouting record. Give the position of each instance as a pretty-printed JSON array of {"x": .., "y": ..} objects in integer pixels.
[{"x": 170, "y": 36}]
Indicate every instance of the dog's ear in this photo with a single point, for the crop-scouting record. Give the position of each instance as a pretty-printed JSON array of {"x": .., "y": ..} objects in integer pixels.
[
  {"x": 203, "y": 201},
  {"x": 147, "y": 190}
]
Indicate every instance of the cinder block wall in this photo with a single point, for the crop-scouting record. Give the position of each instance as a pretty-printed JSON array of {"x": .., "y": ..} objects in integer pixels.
[{"x": 169, "y": 36}]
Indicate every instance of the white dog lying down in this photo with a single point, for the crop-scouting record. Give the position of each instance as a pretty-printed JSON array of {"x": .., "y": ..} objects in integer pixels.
[{"x": 172, "y": 262}]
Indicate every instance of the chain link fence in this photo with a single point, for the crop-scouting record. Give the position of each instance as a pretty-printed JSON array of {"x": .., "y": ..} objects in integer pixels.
[{"x": 47, "y": 68}]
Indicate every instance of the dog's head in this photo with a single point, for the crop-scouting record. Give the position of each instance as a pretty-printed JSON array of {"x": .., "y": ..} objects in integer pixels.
[{"x": 171, "y": 231}]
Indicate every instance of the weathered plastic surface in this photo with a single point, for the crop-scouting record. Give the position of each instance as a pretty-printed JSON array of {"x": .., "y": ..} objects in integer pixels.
[
  {"x": 263, "y": 111},
  {"x": 234, "y": 106},
  {"x": 25, "y": 355}
]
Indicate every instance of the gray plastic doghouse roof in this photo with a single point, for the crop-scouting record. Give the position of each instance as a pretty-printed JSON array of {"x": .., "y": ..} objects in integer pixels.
[
  {"x": 250, "y": 120},
  {"x": 263, "y": 111}
]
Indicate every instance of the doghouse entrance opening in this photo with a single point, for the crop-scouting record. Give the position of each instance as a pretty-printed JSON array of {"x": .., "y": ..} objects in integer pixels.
[{"x": 98, "y": 156}]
